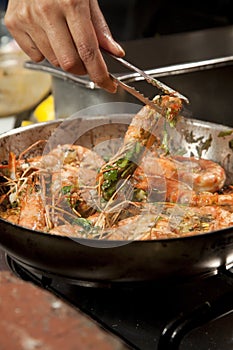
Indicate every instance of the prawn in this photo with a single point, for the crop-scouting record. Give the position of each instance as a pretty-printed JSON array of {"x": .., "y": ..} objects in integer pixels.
[
  {"x": 32, "y": 211},
  {"x": 200, "y": 174},
  {"x": 139, "y": 137},
  {"x": 169, "y": 220},
  {"x": 172, "y": 190},
  {"x": 17, "y": 164},
  {"x": 74, "y": 180},
  {"x": 16, "y": 172},
  {"x": 39, "y": 192},
  {"x": 153, "y": 221},
  {"x": 186, "y": 221},
  {"x": 24, "y": 204}
]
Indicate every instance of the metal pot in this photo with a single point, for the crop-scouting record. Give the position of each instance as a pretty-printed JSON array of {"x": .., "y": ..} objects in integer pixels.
[{"x": 200, "y": 80}]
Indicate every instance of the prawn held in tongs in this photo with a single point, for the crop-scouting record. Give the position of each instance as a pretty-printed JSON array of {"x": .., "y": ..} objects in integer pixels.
[{"x": 139, "y": 135}]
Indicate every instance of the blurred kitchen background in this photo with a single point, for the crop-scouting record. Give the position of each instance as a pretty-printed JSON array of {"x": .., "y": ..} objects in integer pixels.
[
  {"x": 155, "y": 34},
  {"x": 135, "y": 19}
]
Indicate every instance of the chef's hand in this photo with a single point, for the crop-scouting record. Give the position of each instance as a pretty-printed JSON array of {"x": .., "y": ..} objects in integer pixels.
[{"x": 68, "y": 33}]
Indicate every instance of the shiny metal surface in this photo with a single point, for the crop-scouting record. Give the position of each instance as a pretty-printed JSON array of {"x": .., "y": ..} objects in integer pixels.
[
  {"x": 139, "y": 96},
  {"x": 119, "y": 261}
]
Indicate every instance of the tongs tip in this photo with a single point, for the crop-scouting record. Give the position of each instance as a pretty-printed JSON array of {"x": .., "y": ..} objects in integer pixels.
[
  {"x": 166, "y": 89},
  {"x": 151, "y": 80}
]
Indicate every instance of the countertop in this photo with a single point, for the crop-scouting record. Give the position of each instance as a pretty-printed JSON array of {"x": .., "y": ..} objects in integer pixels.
[{"x": 33, "y": 319}]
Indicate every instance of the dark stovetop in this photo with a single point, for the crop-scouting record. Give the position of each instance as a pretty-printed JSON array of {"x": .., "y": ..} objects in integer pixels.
[{"x": 195, "y": 315}]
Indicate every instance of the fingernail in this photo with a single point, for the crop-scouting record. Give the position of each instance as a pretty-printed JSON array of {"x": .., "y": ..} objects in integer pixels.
[
  {"x": 109, "y": 85},
  {"x": 118, "y": 46}
]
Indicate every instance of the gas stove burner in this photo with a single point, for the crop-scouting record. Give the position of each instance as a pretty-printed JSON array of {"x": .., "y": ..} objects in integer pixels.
[{"x": 195, "y": 315}]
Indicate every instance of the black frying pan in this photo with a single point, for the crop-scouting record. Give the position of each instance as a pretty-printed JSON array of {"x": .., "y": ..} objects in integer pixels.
[{"x": 96, "y": 260}]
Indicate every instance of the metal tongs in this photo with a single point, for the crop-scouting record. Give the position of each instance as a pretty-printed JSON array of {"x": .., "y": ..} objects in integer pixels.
[{"x": 161, "y": 86}]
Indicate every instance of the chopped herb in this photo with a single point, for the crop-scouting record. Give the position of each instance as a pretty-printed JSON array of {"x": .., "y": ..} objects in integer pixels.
[
  {"x": 190, "y": 138},
  {"x": 225, "y": 133},
  {"x": 122, "y": 163},
  {"x": 129, "y": 170},
  {"x": 137, "y": 147},
  {"x": 84, "y": 223},
  {"x": 66, "y": 189},
  {"x": 204, "y": 146},
  {"x": 110, "y": 191},
  {"x": 110, "y": 175}
]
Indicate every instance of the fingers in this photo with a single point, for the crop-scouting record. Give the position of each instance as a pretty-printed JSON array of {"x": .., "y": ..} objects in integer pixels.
[
  {"x": 28, "y": 46},
  {"x": 58, "y": 46},
  {"x": 20, "y": 35},
  {"x": 66, "y": 33},
  {"x": 55, "y": 40},
  {"x": 87, "y": 46}
]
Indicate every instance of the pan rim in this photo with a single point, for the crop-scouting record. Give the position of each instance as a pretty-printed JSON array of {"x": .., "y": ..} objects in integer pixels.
[{"x": 22, "y": 129}]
